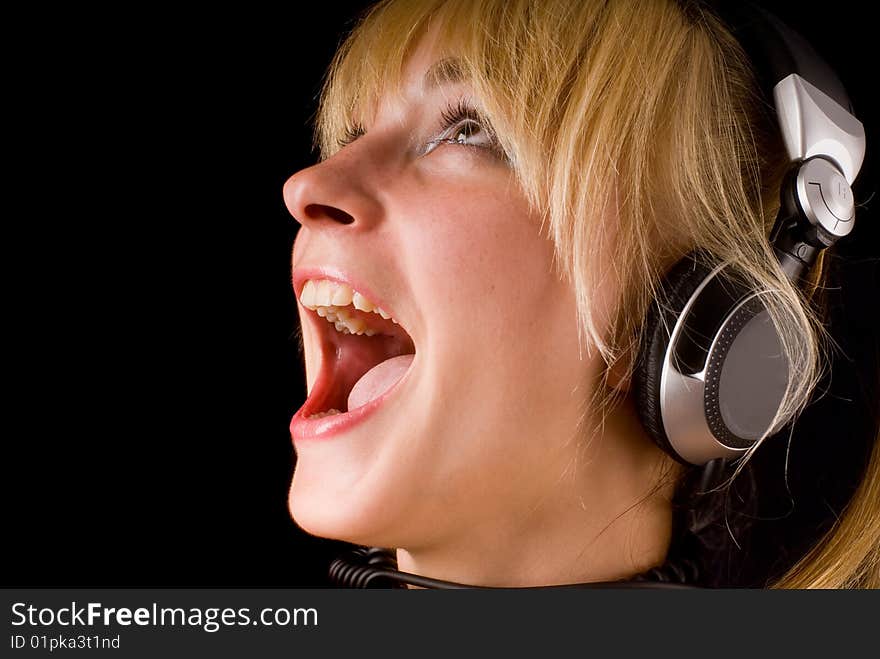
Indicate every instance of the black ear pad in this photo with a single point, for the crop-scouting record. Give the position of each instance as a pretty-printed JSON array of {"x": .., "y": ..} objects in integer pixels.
[{"x": 674, "y": 292}]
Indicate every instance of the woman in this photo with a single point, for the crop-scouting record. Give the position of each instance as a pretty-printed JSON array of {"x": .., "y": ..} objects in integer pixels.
[{"x": 502, "y": 187}]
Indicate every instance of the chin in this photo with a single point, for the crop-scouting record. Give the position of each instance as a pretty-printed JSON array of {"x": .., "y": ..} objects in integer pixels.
[{"x": 354, "y": 517}]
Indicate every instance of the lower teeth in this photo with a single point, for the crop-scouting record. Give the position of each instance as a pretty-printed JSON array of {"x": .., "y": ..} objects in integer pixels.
[{"x": 321, "y": 415}]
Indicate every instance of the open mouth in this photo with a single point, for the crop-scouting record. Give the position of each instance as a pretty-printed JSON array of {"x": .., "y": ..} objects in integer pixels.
[{"x": 364, "y": 350}]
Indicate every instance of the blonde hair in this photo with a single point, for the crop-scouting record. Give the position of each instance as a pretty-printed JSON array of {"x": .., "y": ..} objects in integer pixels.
[
  {"x": 647, "y": 112},
  {"x": 848, "y": 556}
]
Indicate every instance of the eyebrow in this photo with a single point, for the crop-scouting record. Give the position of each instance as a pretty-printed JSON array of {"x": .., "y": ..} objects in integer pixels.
[{"x": 447, "y": 71}]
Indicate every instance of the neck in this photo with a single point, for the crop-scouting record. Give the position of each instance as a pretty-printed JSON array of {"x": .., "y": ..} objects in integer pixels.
[{"x": 608, "y": 519}]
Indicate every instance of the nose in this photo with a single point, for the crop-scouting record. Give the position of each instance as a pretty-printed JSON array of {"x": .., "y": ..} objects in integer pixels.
[{"x": 327, "y": 195}]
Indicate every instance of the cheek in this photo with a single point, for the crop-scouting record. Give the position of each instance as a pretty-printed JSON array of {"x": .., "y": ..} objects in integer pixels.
[
  {"x": 501, "y": 329},
  {"x": 476, "y": 250}
]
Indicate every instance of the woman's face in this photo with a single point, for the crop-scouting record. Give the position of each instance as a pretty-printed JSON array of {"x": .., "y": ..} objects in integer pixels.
[{"x": 481, "y": 427}]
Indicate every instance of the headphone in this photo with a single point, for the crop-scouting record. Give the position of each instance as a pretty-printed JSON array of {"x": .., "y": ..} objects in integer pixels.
[{"x": 711, "y": 374}]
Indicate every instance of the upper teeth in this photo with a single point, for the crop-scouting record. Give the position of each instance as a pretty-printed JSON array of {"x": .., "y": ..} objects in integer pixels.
[{"x": 330, "y": 299}]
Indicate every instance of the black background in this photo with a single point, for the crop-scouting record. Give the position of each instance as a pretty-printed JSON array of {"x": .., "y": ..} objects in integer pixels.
[{"x": 154, "y": 368}]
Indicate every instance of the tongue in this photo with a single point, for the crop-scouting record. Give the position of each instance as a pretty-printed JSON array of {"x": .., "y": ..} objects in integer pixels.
[{"x": 378, "y": 380}]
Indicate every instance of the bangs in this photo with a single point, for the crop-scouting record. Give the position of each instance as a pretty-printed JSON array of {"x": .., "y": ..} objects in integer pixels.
[
  {"x": 369, "y": 66},
  {"x": 491, "y": 44}
]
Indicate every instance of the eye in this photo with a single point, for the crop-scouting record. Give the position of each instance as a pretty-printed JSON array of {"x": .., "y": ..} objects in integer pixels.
[
  {"x": 467, "y": 132},
  {"x": 463, "y": 125}
]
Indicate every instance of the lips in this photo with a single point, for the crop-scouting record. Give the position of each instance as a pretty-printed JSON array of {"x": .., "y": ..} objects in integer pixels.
[{"x": 344, "y": 360}]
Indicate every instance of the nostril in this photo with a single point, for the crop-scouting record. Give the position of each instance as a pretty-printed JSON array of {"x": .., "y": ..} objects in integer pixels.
[{"x": 337, "y": 214}]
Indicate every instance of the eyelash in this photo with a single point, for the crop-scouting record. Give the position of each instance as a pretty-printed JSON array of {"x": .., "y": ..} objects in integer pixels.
[
  {"x": 461, "y": 115},
  {"x": 351, "y": 134},
  {"x": 453, "y": 116}
]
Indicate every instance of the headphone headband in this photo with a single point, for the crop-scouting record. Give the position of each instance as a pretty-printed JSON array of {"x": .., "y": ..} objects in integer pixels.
[
  {"x": 776, "y": 50},
  {"x": 815, "y": 114}
]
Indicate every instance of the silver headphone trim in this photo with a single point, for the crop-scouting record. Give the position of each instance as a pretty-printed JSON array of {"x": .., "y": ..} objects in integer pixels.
[
  {"x": 826, "y": 198},
  {"x": 814, "y": 124},
  {"x": 682, "y": 407}
]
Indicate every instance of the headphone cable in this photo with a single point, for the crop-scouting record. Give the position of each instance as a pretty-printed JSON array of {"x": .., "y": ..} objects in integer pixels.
[{"x": 375, "y": 567}]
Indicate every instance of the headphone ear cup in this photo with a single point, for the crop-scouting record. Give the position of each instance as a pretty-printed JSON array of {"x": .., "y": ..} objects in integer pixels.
[{"x": 674, "y": 291}]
